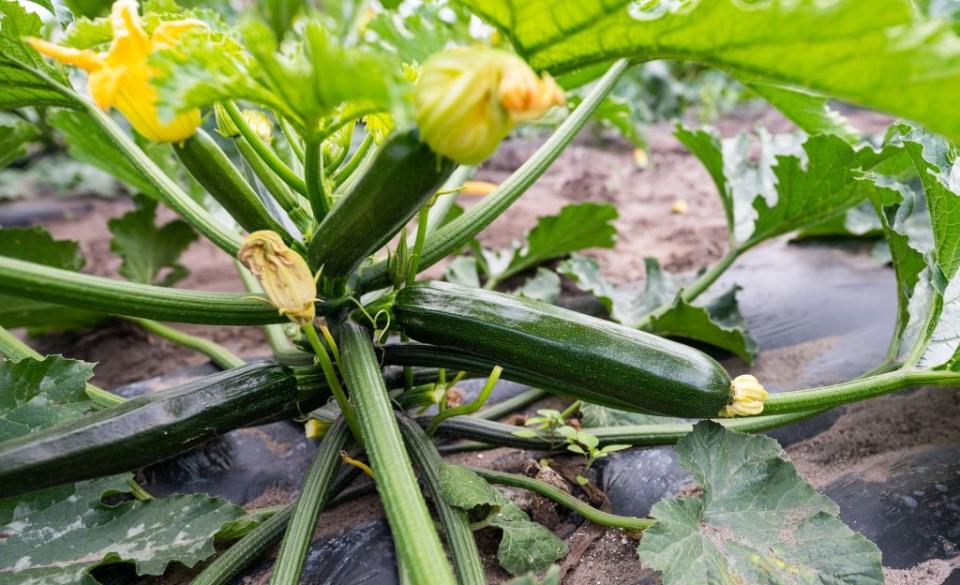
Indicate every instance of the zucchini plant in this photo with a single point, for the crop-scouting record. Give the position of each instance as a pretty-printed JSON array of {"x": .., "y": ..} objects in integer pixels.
[{"x": 324, "y": 151}]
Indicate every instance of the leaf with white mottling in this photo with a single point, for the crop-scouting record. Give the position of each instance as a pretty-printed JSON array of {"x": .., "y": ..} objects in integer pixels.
[
  {"x": 756, "y": 521},
  {"x": 542, "y": 286},
  {"x": 36, "y": 394}
]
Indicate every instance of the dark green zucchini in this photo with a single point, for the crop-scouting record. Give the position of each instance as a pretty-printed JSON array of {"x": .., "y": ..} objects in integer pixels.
[
  {"x": 589, "y": 358},
  {"x": 403, "y": 177},
  {"x": 213, "y": 170},
  {"x": 151, "y": 428}
]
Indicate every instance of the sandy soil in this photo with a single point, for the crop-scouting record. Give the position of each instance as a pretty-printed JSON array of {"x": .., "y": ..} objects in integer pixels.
[{"x": 588, "y": 171}]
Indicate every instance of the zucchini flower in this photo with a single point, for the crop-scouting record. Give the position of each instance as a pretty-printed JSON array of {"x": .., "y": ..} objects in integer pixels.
[
  {"x": 468, "y": 99},
  {"x": 283, "y": 274},
  {"x": 121, "y": 76},
  {"x": 748, "y": 396}
]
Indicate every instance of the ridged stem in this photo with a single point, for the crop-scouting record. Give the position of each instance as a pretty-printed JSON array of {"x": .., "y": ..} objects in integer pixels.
[
  {"x": 263, "y": 150},
  {"x": 333, "y": 381},
  {"x": 119, "y": 297},
  {"x": 220, "y": 355},
  {"x": 417, "y": 543},
  {"x": 564, "y": 499},
  {"x": 314, "y": 495},
  {"x": 173, "y": 196},
  {"x": 513, "y": 404},
  {"x": 314, "y": 177},
  {"x": 356, "y": 158},
  {"x": 456, "y": 527},
  {"x": 458, "y": 232},
  {"x": 292, "y": 203}
]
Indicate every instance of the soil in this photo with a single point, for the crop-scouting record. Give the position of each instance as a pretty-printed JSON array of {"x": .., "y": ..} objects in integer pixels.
[{"x": 588, "y": 171}]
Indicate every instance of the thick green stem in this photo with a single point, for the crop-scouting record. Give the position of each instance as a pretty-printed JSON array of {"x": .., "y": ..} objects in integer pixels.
[
  {"x": 356, "y": 158},
  {"x": 313, "y": 497},
  {"x": 220, "y": 355},
  {"x": 456, "y": 527},
  {"x": 333, "y": 381},
  {"x": 856, "y": 390},
  {"x": 314, "y": 177},
  {"x": 14, "y": 349},
  {"x": 458, "y": 232},
  {"x": 263, "y": 150},
  {"x": 418, "y": 546},
  {"x": 292, "y": 203},
  {"x": 293, "y": 139},
  {"x": 494, "y": 433},
  {"x": 564, "y": 499},
  {"x": 173, "y": 196},
  {"x": 119, "y": 297}
]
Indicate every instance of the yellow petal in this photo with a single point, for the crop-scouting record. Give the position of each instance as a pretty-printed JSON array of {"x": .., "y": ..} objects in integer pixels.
[
  {"x": 131, "y": 45},
  {"x": 103, "y": 85},
  {"x": 167, "y": 33},
  {"x": 137, "y": 101},
  {"x": 283, "y": 273},
  {"x": 85, "y": 59}
]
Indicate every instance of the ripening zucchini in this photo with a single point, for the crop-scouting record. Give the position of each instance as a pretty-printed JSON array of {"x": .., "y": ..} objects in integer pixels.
[
  {"x": 151, "y": 428},
  {"x": 403, "y": 177},
  {"x": 215, "y": 173},
  {"x": 592, "y": 359}
]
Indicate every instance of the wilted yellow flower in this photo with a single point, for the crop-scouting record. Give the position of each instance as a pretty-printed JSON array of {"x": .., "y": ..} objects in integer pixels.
[
  {"x": 316, "y": 429},
  {"x": 121, "y": 76},
  {"x": 259, "y": 123},
  {"x": 748, "y": 397},
  {"x": 283, "y": 274},
  {"x": 468, "y": 99}
]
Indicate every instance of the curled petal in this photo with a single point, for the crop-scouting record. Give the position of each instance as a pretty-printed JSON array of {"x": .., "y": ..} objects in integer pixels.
[
  {"x": 747, "y": 397},
  {"x": 85, "y": 59},
  {"x": 131, "y": 45},
  {"x": 166, "y": 34},
  {"x": 283, "y": 273}
]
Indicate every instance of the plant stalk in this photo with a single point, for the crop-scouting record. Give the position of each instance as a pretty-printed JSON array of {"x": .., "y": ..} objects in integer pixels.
[
  {"x": 220, "y": 355},
  {"x": 118, "y": 297},
  {"x": 266, "y": 154},
  {"x": 314, "y": 177},
  {"x": 356, "y": 158},
  {"x": 313, "y": 497},
  {"x": 418, "y": 546},
  {"x": 333, "y": 381},
  {"x": 564, "y": 499},
  {"x": 456, "y": 527}
]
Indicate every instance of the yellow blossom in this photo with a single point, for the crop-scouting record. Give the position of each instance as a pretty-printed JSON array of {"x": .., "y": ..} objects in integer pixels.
[
  {"x": 283, "y": 274},
  {"x": 468, "y": 99},
  {"x": 120, "y": 77},
  {"x": 748, "y": 396}
]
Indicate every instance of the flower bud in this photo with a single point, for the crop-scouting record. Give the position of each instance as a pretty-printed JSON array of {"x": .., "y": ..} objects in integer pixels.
[
  {"x": 467, "y": 100},
  {"x": 283, "y": 274},
  {"x": 747, "y": 395}
]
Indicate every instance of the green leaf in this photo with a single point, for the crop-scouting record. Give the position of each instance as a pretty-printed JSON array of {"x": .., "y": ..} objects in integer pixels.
[
  {"x": 415, "y": 35},
  {"x": 58, "y": 535},
  {"x": 811, "y": 113},
  {"x": 36, "y": 394},
  {"x": 524, "y": 544},
  {"x": 576, "y": 227},
  {"x": 756, "y": 521},
  {"x": 463, "y": 270},
  {"x": 618, "y": 113},
  {"x": 464, "y": 489},
  {"x": 857, "y": 222},
  {"x": 15, "y": 133},
  {"x": 280, "y": 14},
  {"x": 25, "y": 77},
  {"x": 795, "y": 184},
  {"x": 892, "y": 59},
  {"x": 719, "y": 323},
  {"x": 542, "y": 286},
  {"x": 146, "y": 249},
  {"x": 86, "y": 33},
  {"x": 551, "y": 578},
  {"x": 305, "y": 85}
]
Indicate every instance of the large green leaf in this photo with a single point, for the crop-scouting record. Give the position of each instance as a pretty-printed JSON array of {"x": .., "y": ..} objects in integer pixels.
[
  {"x": 146, "y": 249},
  {"x": 25, "y": 78},
  {"x": 576, "y": 227},
  {"x": 877, "y": 53},
  {"x": 661, "y": 310},
  {"x": 35, "y": 394},
  {"x": 756, "y": 521},
  {"x": 58, "y": 535}
]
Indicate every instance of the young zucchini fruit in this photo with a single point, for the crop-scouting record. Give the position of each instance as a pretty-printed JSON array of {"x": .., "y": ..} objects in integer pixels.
[
  {"x": 598, "y": 361},
  {"x": 403, "y": 177},
  {"x": 152, "y": 428},
  {"x": 215, "y": 173}
]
